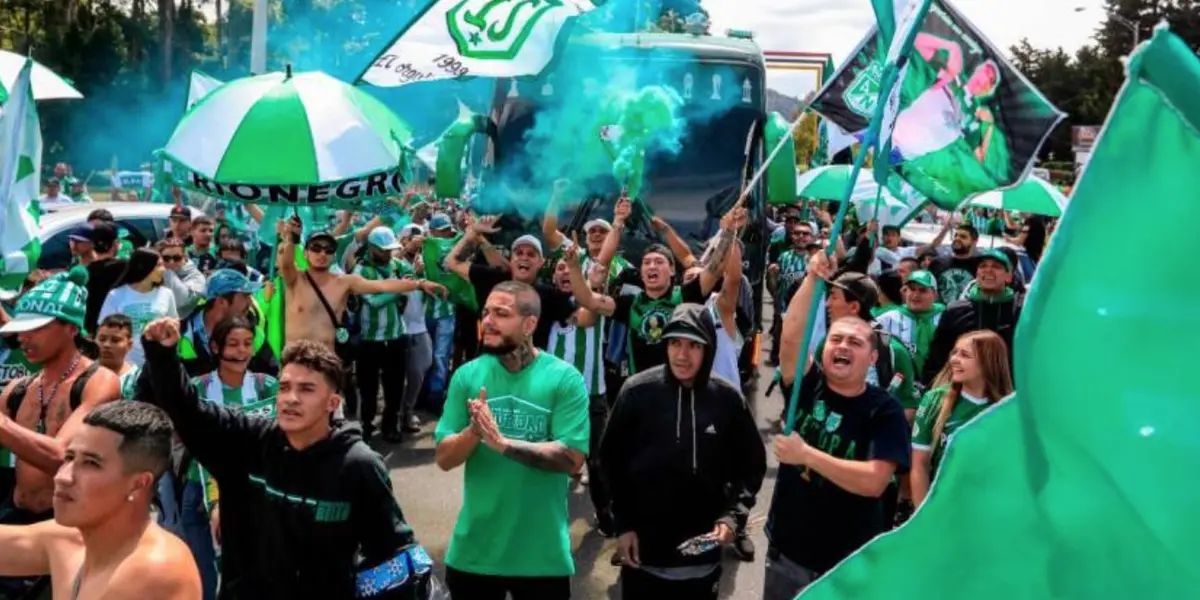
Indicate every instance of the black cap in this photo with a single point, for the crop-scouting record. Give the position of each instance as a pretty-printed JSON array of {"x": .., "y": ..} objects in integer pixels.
[
  {"x": 104, "y": 235},
  {"x": 859, "y": 287},
  {"x": 181, "y": 211}
]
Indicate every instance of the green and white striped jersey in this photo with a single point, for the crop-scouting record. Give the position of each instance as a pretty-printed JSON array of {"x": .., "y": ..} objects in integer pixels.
[
  {"x": 381, "y": 315},
  {"x": 582, "y": 347},
  {"x": 793, "y": 264}
]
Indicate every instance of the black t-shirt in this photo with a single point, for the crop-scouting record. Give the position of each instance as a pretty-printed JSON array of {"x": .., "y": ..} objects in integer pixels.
[
  {"x": 814, "y": 522},
  {"x": 646, "y": 318},
  {"x": 953, "y": 275},
  {"x": 1035, "y": 237},
  {"x": 102, "y": 274},
  {"x": 557, "y": 305}
]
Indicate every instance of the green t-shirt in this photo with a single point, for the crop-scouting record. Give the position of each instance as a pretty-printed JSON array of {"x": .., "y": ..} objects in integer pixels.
[
  {"x": 514, "y": 519},
  {"x": 128, "y": 382},
  {"x": 965, "y": 409}
]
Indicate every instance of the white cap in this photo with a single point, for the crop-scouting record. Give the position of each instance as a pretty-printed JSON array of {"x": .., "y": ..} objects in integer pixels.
[
  {"x": 529, "y": 240},
  {"x": 597, "y": 223}
]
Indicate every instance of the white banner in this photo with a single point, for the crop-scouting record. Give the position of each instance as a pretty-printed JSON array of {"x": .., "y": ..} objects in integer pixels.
[{"x": 454, "y": 39}]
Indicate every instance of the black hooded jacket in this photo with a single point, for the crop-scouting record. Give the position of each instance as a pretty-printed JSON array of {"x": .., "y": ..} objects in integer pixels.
[
  {"x": 679, "y": 460},
  {"x": 293, "y": 522},
  {"x": 964, "y": 316}
]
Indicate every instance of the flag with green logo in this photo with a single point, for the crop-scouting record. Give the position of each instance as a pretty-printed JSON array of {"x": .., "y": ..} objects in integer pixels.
[
  {"x": 456, "y": 39},
  {"x": 20, "y": 182},
  {"x": 1078, "y": 486},
  {"x": 964, "y": 121}
]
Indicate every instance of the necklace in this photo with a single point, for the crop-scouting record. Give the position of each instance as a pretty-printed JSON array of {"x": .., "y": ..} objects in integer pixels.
[{"x": 45, "y": 404}]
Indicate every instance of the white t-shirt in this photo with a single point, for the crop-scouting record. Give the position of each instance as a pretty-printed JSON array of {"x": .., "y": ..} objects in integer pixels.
[{"x": 141, "y": 308}]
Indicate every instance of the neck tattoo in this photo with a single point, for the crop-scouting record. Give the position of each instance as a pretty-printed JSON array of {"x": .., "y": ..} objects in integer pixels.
[
  {"x": 519, "y": 358},
  {"x": 43, "y": 402}
]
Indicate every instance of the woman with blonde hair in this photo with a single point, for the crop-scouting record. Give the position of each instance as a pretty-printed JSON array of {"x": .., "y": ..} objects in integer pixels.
[{"x": 976, "y": 377}]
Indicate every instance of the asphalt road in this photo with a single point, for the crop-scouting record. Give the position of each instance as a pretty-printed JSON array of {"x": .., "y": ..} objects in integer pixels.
[{"x": 431, "y": 500}]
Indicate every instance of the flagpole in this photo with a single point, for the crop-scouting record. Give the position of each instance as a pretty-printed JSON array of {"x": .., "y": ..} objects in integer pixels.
[{"x": 789, "y": 137}]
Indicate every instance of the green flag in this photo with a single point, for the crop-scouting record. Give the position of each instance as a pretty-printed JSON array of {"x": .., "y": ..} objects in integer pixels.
[
  {"x": 435, "y": 251},
  {"x": 821, "y": 155},
  {"x": 964, "y": 120},
  {"x": 1080, "y": 486}
]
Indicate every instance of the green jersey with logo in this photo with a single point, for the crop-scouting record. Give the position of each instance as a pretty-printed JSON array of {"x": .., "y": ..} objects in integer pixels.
[
  {"x": 382, "y": 316},
  {"x": 514, "y": 518},
  {"x": 256, "y": 397},
  {"x": 965, "y": 409},
  {"x": 793, "y": 264},
  {"x": 647, "y": 318},
  {"x": 582, "y": 347}
]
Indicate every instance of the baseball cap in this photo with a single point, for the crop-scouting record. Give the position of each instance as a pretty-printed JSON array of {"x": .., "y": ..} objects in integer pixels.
[
  {"x": 922, "y": 278},
  {"x": 223, "y": 282},
  {"x": 382, "y": 238},
  {"x": 319, "y": 234},
  {"x": 439, "y": 222},
  {"x": 62, "y": 297},
  {"x": 597, "y": 223},
  {"x": 181, "y": 212},
  {"x": 684, "y": 324},
  {"x": 410, "y": 230},
  {"x": 859, "y": 287},
  {"x": 996, "y": 255},
  {"x": 83, "y": 233},
  {"x": 528, "y": 240}
]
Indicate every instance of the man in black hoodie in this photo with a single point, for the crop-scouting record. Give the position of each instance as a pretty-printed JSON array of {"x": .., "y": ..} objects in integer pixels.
[
  {"x": 301, "y": 494},
  {"x": 684, "y": 459},
  {"x": 990, "y": 304}
]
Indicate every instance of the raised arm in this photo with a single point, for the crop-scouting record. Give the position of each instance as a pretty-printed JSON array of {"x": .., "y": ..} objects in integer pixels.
[
  {"x": 585, "y": 297},
  {"x": 795, "y": 320},
  {"x": 220, "y": 438},
  {"x": 285, "y": 251},
  {"x": 731, "y": 290},
  {"x": 458, "y": 260},
  {"x": 554, "y": 237},
  {"x": 683, "y": 253},
  {"x": 714, "y": 262},
  {"x": 613, "y": 241}
]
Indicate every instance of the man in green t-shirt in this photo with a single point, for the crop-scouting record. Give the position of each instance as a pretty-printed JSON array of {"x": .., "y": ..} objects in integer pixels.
[{"x": 517, "y": 418}]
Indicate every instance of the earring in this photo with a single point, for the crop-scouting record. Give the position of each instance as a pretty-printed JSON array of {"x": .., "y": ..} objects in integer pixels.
[{"x": 129, "y": 498}]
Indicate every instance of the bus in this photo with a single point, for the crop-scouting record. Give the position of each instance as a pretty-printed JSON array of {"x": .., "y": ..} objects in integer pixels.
[{"x": 721, "y": 81}]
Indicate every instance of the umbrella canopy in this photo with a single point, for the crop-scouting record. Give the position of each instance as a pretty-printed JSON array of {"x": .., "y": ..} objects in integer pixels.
[
  {"x": 1034, "y": 195},
  {"x": 47, "y": 85},
  {"x": 829, "y": 183},
  {"x": 302, "y": 139}
]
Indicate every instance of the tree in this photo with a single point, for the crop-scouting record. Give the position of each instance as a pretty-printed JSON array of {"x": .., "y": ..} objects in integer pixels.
[{"x": 806, "y": 138}]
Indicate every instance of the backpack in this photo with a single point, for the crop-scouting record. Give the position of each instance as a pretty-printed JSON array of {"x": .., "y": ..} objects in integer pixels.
[
  {"x": 22, "y": 387},
  {"x": 885, "y": 370}
]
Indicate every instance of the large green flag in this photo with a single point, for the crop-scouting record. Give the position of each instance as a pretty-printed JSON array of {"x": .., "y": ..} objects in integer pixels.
[
  {"x": 1082, "y": 485},
  {"x": 461, "y": 292}
]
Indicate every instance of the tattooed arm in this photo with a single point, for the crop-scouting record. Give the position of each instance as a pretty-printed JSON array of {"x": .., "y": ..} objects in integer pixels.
[
  {"x": 459, "y": 259},
  {"x": 714, "y": 263},
  {"x": 547, "y": 456}
]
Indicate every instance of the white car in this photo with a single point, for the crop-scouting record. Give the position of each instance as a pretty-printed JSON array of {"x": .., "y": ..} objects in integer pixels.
[{"x": 145, "y": 223}]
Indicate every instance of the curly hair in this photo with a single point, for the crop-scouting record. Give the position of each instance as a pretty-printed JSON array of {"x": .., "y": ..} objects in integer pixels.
[{"x": 316, "y": 357}]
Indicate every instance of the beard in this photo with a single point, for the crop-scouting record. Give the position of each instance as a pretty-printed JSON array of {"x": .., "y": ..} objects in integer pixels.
[{"x": 506, "y": 346}]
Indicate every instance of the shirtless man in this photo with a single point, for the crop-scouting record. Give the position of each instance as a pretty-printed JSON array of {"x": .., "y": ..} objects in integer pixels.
[
  {"x": 306, "y": 317},
  {"x": 102, "y": 543},
  {"x": 39, "y": 414}
]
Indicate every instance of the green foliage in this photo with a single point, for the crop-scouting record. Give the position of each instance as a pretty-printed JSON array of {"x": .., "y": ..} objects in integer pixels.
[{"x": 1085, "y": 83}]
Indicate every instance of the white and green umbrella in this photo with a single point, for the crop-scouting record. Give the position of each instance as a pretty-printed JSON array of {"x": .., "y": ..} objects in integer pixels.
[
  {"x": 303, "y": 139},
  {"x": 830, "y": 182},
  {"x": 1034, "y": 195},
  {"x": 47, "y": 85}
]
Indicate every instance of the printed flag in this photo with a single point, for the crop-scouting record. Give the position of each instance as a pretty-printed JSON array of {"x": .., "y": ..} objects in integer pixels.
[
  {"x": 20, "y": 182},
  {"x": 454, "y": 39},
  {"x": 966, "y": 121},
  {"x": 461, "y": 292},
  {"x": 1071, "y": 489},
  {"x": 821, "y": 156}
]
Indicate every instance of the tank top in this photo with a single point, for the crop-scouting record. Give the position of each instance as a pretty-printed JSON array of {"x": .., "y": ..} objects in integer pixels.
[{"x": 582, "y": 347}]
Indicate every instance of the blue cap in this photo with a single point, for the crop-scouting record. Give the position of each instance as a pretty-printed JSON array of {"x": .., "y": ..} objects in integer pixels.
[
  {"x": 83, "y": 233},
  {"x": 382, "y": 238},
  {"x": 440, "y": 221},
  {"x": 227, "y": 281}
]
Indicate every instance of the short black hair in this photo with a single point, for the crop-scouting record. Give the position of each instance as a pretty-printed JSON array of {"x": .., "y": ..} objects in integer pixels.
[
  {"x": 118, "y": 321},
  {"x": 145, "y": 432},
  {"x": 101, "y": 214},
  {"x": 660, "y": 249},
  {"x": 529, "y": 304},
  {"x": 232, "y": 245},
  {"x": 201, "y": 220},
  {"x": 228, "y": 325},
  {"x": 314, "y": 356},
  {"x": 970, "y": 229}
]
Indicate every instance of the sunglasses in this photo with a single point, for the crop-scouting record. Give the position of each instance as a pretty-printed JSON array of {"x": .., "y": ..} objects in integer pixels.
[
  {"x": 322, "y": 248},
  {"x": 172, "y": 258}
]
